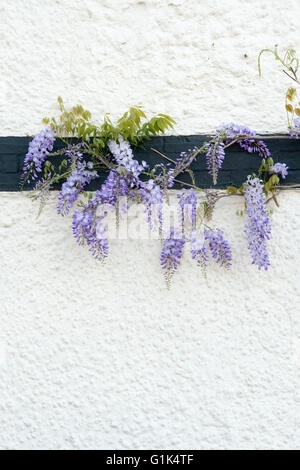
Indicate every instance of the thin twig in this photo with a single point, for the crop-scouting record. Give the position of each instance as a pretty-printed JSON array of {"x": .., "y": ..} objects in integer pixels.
[
  {"x": 294, "y": 73},
  {"x": 257, "y": 137},
  {"x": 220, "y": 196},
  {"x": 231, "y": 143},
  {"x": 162, "y": 155},
  {"x": 275, "y": 200},
  {"x": 187, "y": 184},
  {"x": 102, "y": 159},
  {"x": 270, "y": 137},
  {"x": 290, "y": 76},
  {"x": 291, "y": 186}
]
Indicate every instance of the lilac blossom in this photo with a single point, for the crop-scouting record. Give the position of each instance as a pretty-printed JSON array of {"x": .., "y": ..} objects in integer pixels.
[
  {"x": 219, "y": 247},
  {"x": 38, "y": 150},
  {"x": 215, "y": 155},
  {"x": 78, "y": 179},
  {"x": 280, "y": 168},
  {"x": 171, "y": 255},
  {"x": 199, "y": 251},
  {"x": 257, "y": 224}
]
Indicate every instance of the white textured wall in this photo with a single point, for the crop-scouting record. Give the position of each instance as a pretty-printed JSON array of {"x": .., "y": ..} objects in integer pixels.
[
  {"x": 185, "y": 58},
  {"x": 105, "y": 357}
]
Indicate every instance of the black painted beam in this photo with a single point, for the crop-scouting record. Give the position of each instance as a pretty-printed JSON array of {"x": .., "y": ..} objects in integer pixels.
[{"x": 237, "y": 164}]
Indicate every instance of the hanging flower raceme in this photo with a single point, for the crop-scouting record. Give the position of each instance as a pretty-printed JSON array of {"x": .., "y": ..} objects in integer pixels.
[
  {"x": 234, "y": 131},
  {"x": 226, "y": 135},
  {"x": 114, "y": 187},
  {"x": 187, "y": 203},
  {"x": 280, "y": 168},
  {"x": 88, "y": 228},
  {"x": 257, "y": 224},
  {"x": 219, "y": 247},
  {"x": 42, "y": 189},
  {"x": 165, "y": 178},
  {"x": 295, "y": 129},
  {"x": 78, "y": 179},
  {"x": 184, "y": 161},
  {"x": 215, "y": 155},
  {"x": 74, "y": 153},
  {"x": 211, "y": 199},
  {"x": 152, "y": 198},
  {"x": 171, "y": 255},
  {"x": 123, "y": 154},
  {"x": 88, "y": 225},
  {"x": 38, "y": 151},
  {"x": 199, "y": 251}
]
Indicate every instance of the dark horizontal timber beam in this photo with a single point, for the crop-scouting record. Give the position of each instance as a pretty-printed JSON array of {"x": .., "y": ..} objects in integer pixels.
[{"x": 237, "y": 165}]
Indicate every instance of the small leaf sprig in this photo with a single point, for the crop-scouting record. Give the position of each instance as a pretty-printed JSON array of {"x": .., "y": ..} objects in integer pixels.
[{"x": 290, "y": 66}]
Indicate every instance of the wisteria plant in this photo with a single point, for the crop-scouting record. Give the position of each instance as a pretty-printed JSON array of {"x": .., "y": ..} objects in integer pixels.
[{"x": 91, "y": 149}]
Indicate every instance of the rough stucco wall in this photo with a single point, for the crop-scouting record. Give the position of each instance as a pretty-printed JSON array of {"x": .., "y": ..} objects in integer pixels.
[
  {"x": 187, "y": 60},
  {"x": 105, "y": 357}
]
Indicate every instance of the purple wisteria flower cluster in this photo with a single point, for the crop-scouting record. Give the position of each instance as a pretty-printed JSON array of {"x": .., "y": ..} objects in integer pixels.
[
  {"x": 212, "y": 241},
  {"x": 38, "y": 151},
  {"x": 202, "y": 243},
  {"x": 152, "y": 198},
  {"x": 199, "y": 250},
  {"x": 219, "y": 247},
  {"x": 187, "y": 203},
  {"x": 295, "y": 129},
  {"x": 171, "y": 254},
  {"x": 78, "y": 179},
  {"x": 90, "y": 230},
  {"x": 234, "y": 131},
  {"x": 123, "y": 154},
  {"x": 88, "y": 225},
  {"x": 130, "y": 181},
  {"x": 226, "y": 136},
  {"x": 184, "y": 161},
  {"x": 280, "y": 169},
  {"x": 123, "y": 180},
  {"x": 74, "y": 153},
  {"x": 149, "y": 192},
  {"x": 215, "y": 155},
  {"x": 257, "y": 224},
  {"x": 114, "y": 187}
]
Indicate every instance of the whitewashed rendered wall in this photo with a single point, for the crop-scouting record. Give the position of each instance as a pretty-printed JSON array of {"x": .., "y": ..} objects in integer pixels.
[{"x": 105, "y": 357}]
